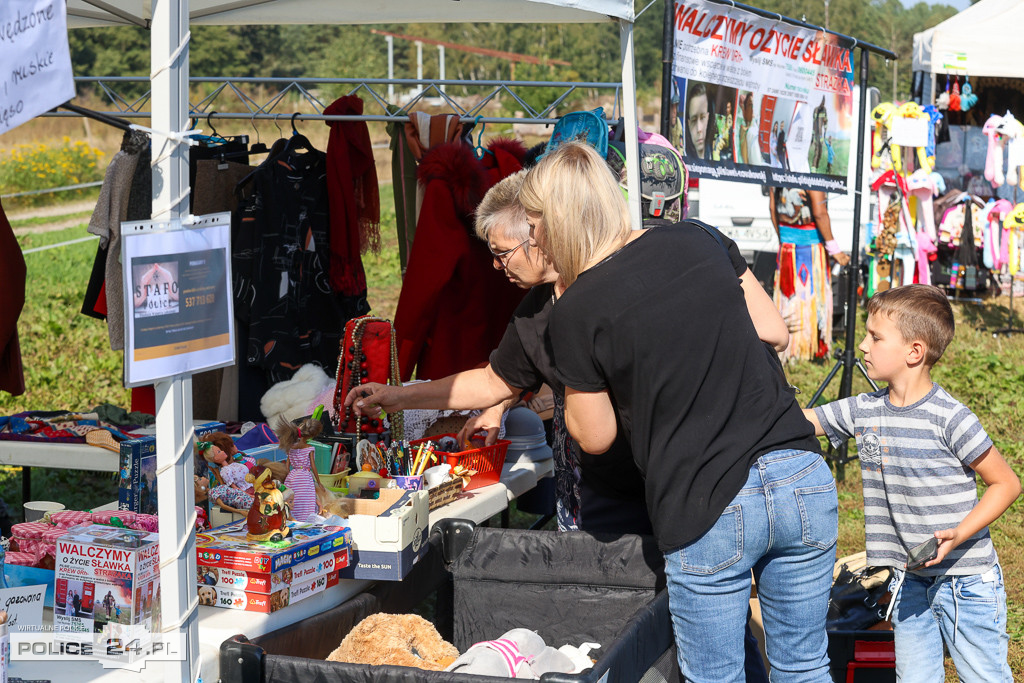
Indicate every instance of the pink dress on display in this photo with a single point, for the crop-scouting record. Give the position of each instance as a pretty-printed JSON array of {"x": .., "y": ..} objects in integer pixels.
[{"x": 300, "y": 480}]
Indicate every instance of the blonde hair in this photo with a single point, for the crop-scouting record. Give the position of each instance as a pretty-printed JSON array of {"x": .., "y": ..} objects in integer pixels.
[
  {"x": 921, "y": 313},
  {"x": 293, "y": 435},
  {"x": 581, "y": 207}
]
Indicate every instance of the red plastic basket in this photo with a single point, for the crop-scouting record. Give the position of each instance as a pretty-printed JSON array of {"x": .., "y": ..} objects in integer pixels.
[{"x": 487, "y": 460}]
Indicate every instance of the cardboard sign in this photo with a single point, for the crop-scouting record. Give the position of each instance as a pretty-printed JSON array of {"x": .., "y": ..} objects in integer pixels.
[
  {"x": 24, "y": 607},
  {"x": 36, "y": 74}
]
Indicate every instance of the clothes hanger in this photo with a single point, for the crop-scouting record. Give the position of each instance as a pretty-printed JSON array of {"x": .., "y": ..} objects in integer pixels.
[
  {"x": 298, "y": 140},
  {"x": 479, "y": 151},
  {"x": 259, "y": 147}
]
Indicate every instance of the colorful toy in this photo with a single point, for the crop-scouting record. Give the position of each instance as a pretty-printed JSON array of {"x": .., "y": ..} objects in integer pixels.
[
  {"x": 266, "y": 518},
  {"x": 301, "y": 478}
]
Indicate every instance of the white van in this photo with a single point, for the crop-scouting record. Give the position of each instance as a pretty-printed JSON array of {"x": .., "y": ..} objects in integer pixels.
[{"x": 740, "y": 210}]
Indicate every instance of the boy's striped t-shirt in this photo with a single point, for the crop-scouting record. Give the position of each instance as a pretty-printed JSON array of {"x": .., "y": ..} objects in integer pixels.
[{"x": 917, "y": 480}]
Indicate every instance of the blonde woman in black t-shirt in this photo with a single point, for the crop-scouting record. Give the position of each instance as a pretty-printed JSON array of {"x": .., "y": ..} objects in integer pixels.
[{"x": 652, "y": 334}]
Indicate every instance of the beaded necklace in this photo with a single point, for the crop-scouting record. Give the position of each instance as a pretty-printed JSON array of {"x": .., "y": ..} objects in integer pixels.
[{"x": 354, "y": 360}]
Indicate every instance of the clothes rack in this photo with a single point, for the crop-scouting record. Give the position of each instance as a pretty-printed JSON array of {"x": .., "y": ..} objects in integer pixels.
[{"x": 1010, "y": 328}]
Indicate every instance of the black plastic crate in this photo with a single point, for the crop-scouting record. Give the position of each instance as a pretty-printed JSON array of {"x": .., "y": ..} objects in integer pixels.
[{"x": 576, "y": 587}]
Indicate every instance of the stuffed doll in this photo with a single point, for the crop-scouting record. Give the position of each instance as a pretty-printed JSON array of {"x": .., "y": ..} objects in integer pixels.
[
  {"x": 398, "y": 640},
  {"x": 301, "y": 479}
]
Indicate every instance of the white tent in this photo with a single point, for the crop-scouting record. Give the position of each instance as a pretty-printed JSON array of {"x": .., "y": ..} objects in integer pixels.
[
  {"x": 168, "y": 22},
  {"x": 980, "y": 39},
  {"x": 223, "y": 12}
]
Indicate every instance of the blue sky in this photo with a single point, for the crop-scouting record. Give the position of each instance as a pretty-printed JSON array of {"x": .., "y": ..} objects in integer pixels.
[{"x": 959, "y": 4}]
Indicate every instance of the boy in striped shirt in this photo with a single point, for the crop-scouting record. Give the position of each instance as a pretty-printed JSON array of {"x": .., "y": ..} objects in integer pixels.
[{"x": 919, "y": 449}]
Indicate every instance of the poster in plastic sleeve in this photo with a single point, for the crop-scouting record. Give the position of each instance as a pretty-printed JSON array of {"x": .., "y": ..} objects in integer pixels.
[
  {"x": 36, "y": 74},
  {"x": 177, "y": 299},
  {"x": 757, "y": 100}
]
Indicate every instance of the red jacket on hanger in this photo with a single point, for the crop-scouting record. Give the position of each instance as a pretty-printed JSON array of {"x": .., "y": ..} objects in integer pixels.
[
  {"x": 12, "y": 284},
  {"x": 454, "y": 304}
]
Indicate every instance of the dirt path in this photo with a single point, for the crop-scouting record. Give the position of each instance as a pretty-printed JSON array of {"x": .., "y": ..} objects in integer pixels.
[{"x": 59, "y": 214}]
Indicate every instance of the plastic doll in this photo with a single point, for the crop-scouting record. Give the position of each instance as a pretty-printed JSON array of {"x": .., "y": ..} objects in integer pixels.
[
  {"x": 235, "y": 492},
  {"x": 301, "y": 479}
]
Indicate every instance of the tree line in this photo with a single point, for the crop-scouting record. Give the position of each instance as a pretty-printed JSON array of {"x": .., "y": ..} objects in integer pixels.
[{"x": 592, "y": 50}]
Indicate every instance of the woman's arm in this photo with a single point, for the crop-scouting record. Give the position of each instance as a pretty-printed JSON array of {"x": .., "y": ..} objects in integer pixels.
[
  {"x": 1003, "y": 489},
  {"x": 590, "y": 418},
  {"x": 771, "y": 210},
  {"x": 768, "y": 322},
  {"x": 477, "y": 388},
  {"x": 819, "y": 209}
]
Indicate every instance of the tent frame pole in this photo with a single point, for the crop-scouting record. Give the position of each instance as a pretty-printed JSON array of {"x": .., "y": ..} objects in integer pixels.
[
  {"x": 174, "y": 451},
  {"x": 629, "y": 119}
]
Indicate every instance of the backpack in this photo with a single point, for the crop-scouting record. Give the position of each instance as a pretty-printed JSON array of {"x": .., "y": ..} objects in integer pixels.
[
  {"x": 583, "y": 126},
  {"x": 663, "y": 176}
]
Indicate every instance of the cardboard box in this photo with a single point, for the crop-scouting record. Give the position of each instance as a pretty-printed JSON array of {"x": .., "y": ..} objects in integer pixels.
[
  {"x": 260, "y": 582},
  {"x": 264, "y": 602},
  {"x": 389, "y": 535},
  {"x": 225, "y": 547},
  {"x": 107, "y": 581},
  {"x": 136, "y": 489}
]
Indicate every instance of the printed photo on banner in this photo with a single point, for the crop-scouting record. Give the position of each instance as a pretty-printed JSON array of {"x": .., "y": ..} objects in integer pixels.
[
  {"x": 155, "y": 290},
  {"x": 708, "y": 112},
  {"x": 758, "y": 100}
]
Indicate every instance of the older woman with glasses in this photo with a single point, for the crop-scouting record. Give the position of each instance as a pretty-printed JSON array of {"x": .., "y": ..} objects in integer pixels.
[
  {"x": 594, "y": 493},
  {"x": 652, "y": 338}
]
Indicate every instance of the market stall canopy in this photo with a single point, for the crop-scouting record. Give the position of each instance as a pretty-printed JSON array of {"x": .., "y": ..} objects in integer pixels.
[
  {"x": 85, "y": 13},
  {"x": 978, "y": 39}
]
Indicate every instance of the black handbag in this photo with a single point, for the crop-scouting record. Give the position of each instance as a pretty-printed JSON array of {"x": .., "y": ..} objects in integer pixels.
[{"x": 858, "y": 600}]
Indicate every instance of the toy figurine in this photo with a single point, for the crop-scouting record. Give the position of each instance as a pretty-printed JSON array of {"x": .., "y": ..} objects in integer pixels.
[
  {"x": 301, "y": 477},
  {"x": 265, "y": 521},
  {"x": 235, "y": 492}
]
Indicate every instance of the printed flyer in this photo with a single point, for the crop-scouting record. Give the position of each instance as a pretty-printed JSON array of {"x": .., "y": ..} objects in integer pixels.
[{"x": 178, "y": 307}]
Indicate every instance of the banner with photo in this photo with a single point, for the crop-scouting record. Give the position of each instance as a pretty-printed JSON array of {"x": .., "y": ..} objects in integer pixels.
[{"x": 760, "y": 101}]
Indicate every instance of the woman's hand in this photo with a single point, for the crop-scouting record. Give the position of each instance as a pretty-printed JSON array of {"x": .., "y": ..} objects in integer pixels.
[
  {"x": 488, "y": 421},
  {"x": 842, "y": 258},
  {"x": 371, "y": 398}
]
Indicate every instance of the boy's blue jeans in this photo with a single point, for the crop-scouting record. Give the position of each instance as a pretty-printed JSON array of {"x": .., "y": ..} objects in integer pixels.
[
  {"x": 782, "y": 525},
  {"x": 968, "y": 613}
]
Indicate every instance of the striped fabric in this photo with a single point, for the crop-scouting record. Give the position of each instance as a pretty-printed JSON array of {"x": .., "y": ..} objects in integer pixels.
[{"x": 916, "y": 475}]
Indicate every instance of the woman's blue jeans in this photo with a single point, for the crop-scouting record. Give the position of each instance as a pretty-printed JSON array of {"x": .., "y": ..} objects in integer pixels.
[{"x": 782, "y": 525}]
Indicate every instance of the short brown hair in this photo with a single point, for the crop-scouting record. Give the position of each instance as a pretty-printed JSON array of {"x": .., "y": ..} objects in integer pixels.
[{"x": 921, "y": 313}]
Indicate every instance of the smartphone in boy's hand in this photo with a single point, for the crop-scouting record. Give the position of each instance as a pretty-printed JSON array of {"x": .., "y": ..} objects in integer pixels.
[{"x": 920, "y": 554}]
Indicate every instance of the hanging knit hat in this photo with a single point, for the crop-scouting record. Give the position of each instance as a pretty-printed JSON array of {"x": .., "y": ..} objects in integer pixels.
[
  {"x": 967, "y": 97},
  {"x": 954, "y": 97}
]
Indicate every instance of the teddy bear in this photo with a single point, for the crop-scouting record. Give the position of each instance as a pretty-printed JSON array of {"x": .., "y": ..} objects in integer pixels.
[{"x": 395, "y": 639}]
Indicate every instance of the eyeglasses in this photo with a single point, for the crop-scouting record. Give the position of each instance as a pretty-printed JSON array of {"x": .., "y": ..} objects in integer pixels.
[{"x": 503, "y": 257}]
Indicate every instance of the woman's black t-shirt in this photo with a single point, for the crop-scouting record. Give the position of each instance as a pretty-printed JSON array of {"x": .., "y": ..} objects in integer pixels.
[
  {"x": 663, "y": 326},
  {"x": 524, "y": 359}
]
